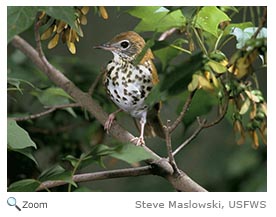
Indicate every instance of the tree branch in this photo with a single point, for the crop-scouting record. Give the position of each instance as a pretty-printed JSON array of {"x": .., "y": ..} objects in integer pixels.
[
  {"x": 111, "y": 174},
  {"x": 41, "y": 114},
  {"x": 94, "y": 84},
  {"x": 222, "y": 113},
  {"x": 182, "y": 181},
  {"x": 201, "y": 125},
  {"x": 183, "y": 112},
  {"x": 167, "y": 130}
]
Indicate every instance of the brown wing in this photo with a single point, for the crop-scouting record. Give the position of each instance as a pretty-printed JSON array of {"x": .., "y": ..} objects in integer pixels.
[{"x": 154, "y": 126}]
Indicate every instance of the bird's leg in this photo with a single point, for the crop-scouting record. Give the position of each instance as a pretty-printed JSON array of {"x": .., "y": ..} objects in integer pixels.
[
  {"x": 110, "y": 119},
  {"x": 140, "y": 140},
  {"x": 141, "y": 137}
]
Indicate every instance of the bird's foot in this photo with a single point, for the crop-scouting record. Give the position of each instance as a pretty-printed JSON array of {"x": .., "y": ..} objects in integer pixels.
[
  {"x": 108, "y": 122},
  {"x": 110, "y": 119},
  {"x": 139, "y": 141}
]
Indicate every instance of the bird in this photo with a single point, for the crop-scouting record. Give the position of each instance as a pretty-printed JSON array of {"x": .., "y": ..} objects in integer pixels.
[{"x": 128, "y": 84}]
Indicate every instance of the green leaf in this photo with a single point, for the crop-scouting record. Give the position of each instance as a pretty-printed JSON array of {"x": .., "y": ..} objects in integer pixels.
[
  {"x": 102, "y": 150},
  {"x": 18, "y": 138},
  {"x": 53, "y": 96},
  {"x": 177, "y": 80},
  {"x": 73, "y": 160},
  {"x": 245, "y": 106},
  {"x": 25, "y": 185},
  {"x": 209, "y": 39},
  {"x": 217, "y": 67},
  {"x": 132, "y": 154},
  {"x": 28, "y": 152},
  {"x": 168, "y": 53},
  {"x": 193, "y": 85},
  {"x": 159, "y": 45},
  {"x": 18, "y": 68},
  {"x": 204, "y": 83},
  {"x": 71, "y": 112},
  {"x": 148, "y": 45},
  {"x": 66, "y": 14},
  {"x": 255, "y": 95},
  {"x": 202, "y": 103},
  {"x": 156, "y": 18},
  {"x": 229, "y": 8},
  {"x": 93, "y": 156},
  {"x": 82, "y": 189},
  {"x": 231, "y": 113},
  {"x": 155, "y": 95},
  {"x": 241, "y": 26},
  {"x": 83, "y": 161},
  {"x": 19, "y": 19},
  {"x": 57, "y": 173},
  {"x": 51, "y": 172},
  {"x": 209, "y": 18},
  {"x": 16, "y": 83},
  {"x": 17, "y": 57}
]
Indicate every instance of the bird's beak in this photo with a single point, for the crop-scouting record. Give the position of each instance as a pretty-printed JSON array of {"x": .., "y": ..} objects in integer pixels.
[{"x": 105, "y": 47}]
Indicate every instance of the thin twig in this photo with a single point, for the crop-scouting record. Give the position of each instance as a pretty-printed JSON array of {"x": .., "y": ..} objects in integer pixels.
[
  {"x": 261, "y": 24},
  {"x": 217, "y": 41},
  {"x": 41, "y": 114},
  {"x": 62, "y": 106},
  {"x": 95, "y": 83},
  {"x": 86, "y": 177},
  {"x": 226, "y": 41},
  {"x": 200, "y": 41},
  {"x": 168, "y": 141},
  {"x": 34, "y": 116},
  {"x": 166, "y": 34},
  {"x": 183, "y": 112},
  {"x": 37, "y": 39},
  {"x": 202, "y": 124},
  {"x": 169, "y": 146},
  {"x": 218, "y": 119},
  {"x": 222, "y": 113},
  {"x": 193, "y": 136}
]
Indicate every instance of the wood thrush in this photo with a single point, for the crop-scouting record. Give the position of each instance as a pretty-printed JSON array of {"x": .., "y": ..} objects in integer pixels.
[{"x": 128, "y": 85}]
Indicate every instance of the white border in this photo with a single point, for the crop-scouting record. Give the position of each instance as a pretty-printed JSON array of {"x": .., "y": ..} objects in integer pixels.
[{"x": 123, "y": 203}]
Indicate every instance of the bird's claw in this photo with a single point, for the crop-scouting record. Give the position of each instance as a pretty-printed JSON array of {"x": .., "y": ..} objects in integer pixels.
[
  {"x": 138, "y": 141},
  {"x": 109, "y": 121}
]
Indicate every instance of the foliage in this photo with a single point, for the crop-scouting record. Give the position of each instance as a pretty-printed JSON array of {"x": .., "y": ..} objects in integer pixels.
[
  {"x": 194, "y": 58},
  {"x": 155, "y": 18}
]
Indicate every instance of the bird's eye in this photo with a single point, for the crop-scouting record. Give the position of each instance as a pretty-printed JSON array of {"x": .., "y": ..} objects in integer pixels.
[{"x": 124, "y": 44}]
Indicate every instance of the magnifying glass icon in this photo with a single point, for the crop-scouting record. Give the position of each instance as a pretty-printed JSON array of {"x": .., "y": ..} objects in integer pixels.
[{"x": 12, "y": 202}]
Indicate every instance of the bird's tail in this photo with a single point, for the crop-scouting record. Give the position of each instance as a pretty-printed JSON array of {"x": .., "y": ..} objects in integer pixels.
[{"x": 154, "y": 126}]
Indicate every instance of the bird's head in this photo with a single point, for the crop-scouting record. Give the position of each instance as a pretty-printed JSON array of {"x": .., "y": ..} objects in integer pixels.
[{"x": 127, "y": 46}]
